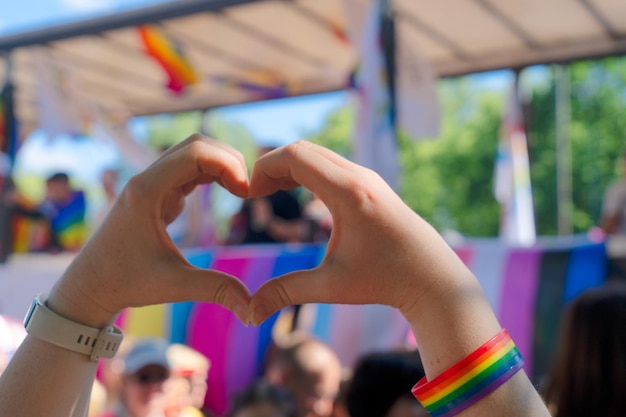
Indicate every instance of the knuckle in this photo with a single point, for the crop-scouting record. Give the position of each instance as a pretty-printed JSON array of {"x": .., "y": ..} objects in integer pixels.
[
  {"x": 196, "y": 137},
  {"x": 360, "y": 191},
  {"x": 220, "y": 295},
  {"x": 195, "y": 146},
  {"x": 283, "y": 295},
  {"x": 138, "y": 187},
  {"x": 295, "y": 149}
]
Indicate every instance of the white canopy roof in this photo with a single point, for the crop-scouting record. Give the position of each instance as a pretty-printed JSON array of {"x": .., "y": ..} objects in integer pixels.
[{"x": 299, "y": 44}]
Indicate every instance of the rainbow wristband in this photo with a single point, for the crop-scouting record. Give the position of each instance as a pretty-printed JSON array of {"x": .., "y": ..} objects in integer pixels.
[{"x": 471, "y": 379}]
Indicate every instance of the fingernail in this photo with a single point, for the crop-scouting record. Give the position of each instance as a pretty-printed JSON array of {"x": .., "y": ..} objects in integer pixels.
[
  {"x": 261, "y": 313},
  {"x": 242, "y": 314}
]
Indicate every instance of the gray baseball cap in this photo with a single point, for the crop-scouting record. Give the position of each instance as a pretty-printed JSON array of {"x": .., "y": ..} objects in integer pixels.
[{"x": 146, "y": 352}]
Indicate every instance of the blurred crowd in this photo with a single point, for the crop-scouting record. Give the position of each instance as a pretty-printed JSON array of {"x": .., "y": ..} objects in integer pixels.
[
  {"x": 62, "y": 220},
  {"x": 303, "y": 377}
]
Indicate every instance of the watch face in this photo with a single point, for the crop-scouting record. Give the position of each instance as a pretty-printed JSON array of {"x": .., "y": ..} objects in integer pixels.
[{"x": 31, "y": 311}]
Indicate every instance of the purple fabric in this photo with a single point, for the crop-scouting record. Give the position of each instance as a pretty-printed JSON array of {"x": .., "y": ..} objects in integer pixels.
[{"x": 517, "y": 302}]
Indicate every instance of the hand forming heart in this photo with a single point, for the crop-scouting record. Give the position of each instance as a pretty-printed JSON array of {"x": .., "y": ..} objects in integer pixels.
[
  {"x": 379, "y": 252},
  {"x": 377, "y": 248}
]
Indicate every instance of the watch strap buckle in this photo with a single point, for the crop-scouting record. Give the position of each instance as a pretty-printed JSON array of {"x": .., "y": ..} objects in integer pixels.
[{"x": 108, "y": 342}]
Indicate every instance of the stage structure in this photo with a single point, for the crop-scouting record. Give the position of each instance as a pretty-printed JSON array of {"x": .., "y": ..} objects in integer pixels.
[{"x": 247, "y": 50}]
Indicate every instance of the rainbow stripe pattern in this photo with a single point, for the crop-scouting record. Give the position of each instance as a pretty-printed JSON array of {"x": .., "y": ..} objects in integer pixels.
[
  {"x": 471, "y": 379},
  {"x": 170, "y": 56}
]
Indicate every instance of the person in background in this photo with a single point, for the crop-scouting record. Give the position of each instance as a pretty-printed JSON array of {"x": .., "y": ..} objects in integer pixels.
[
  {"x": 588, "y": 377},
  {"x": 380, "y": 252},
  {"x": 260, "y": 399},
  {"x": 613, "y": 220},
  {"x": 270, "y": 219},
  {"x": 195, "y": 225},
  {"x": 65, "y": 209},
  {"x": 613, "y": 223},
  {"x": 29, "y": 230},
  {"x": 381, "y": 386},
  {"x": 320, "y": 220},
  {"x": 111, "y": 374},
  {"x": 308, "y": 369},
  {"x": 340, "y": 406},
  {"x": 186, "y": 388},
  {"x": 146, "y": 369}
]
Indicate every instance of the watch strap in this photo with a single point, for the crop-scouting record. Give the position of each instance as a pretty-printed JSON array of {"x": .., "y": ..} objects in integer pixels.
[{"x": 44, "y": 324}]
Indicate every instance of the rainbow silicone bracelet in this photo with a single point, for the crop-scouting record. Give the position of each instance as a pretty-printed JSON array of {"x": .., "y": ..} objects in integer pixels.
[{"x": 471, "y": 379}]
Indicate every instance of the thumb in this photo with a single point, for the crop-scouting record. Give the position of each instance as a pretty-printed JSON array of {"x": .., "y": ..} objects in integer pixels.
[
  {"x": 299, "y": 287},
  {"x": 212, "y": 287}
]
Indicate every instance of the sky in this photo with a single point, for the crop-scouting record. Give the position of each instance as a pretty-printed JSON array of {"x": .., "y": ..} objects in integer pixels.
[{"x": 26, "y": 15}]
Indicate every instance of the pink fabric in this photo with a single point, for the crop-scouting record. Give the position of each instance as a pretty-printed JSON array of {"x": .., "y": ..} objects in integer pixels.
[{"x": 211, "y": 325}]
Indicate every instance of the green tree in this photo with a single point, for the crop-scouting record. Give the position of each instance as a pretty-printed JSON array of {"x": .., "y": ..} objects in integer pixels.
[
  {"x": 449, "y": 180},
  {"x": 165, "y": 130},
  {"x": 597, "y": 133},
  {"x": 336, "y": 132},
  {"x": 235, "y": 135}
]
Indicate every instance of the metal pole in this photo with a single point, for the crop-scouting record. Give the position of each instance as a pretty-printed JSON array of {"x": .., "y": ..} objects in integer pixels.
[
  {"x": 563, "y": 150},
  {"x": 8, "y": 147}
]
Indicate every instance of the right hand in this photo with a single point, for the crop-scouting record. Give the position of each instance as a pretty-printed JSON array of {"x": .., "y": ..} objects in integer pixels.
[{"x": 379, "y": 252}]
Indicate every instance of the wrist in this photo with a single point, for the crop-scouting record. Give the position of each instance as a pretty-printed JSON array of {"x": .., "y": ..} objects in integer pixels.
[
  {"x": 450, "y": 320},
  {"x": 73, "y": 299},
  {"x": 83, "y": 311}
]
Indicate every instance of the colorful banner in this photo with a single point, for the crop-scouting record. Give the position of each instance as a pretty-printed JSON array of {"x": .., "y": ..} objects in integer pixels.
[
  {"x": 417, "y": 101},
  {"x": 527, "y": 288},
  {"x": 396, "y": 89},
  {"x": 512, "y": 186},
  {"x": 168, "y": 53},
  {"x": 375, "y": 144}
]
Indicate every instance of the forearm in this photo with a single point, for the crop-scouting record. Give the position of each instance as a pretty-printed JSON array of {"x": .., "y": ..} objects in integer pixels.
[
  {"x": 45, "y": 380},
  {"x": 451, "y": 320}
]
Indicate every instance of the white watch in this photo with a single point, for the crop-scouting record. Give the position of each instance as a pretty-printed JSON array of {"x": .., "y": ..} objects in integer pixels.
[{"x": 44, "y": 324}]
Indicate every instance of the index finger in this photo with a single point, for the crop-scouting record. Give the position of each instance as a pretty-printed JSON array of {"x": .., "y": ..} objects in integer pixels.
[
  {"x": 197, "y": 160},
  {"x": 301, "y": 163}
]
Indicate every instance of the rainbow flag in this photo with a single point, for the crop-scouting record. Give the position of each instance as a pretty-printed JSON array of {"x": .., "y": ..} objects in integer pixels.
[
  {"x": 512, "y": 187},
  {"x": 526, "y": 287},
  {"x": 170, "y": 56},
  {"x": 67, "y": 221}
]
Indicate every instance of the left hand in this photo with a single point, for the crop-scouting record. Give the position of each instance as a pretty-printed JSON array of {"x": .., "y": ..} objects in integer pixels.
[{"x": 131, "y": 260}]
